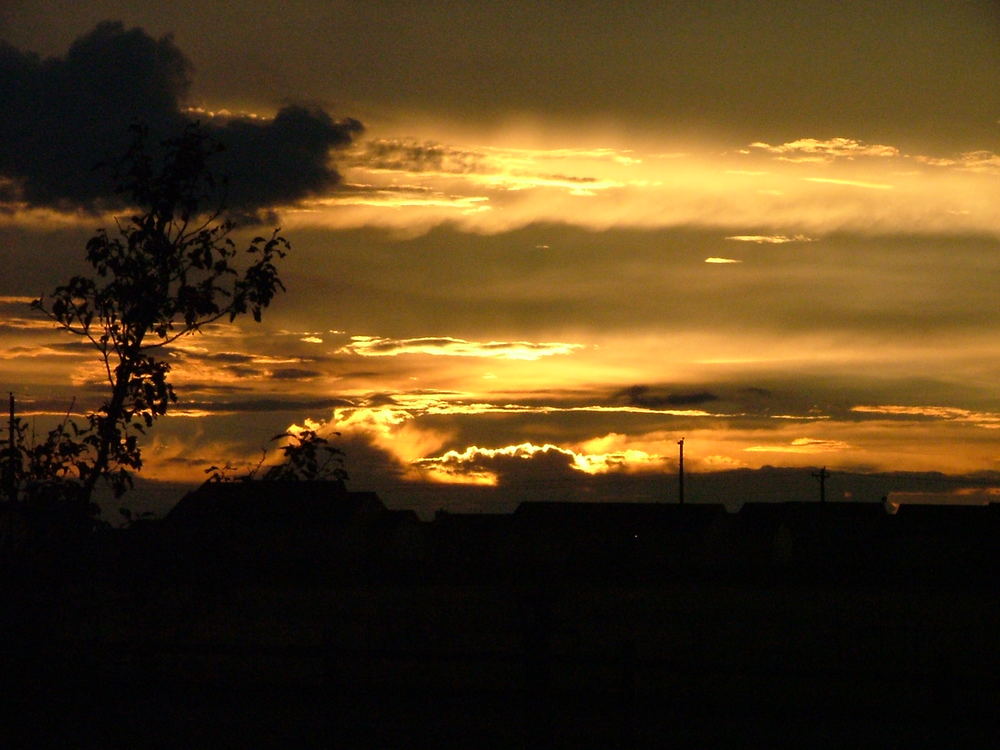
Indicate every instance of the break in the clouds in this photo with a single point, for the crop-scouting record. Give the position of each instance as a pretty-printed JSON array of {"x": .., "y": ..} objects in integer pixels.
[{"x": 66, "y": 123}]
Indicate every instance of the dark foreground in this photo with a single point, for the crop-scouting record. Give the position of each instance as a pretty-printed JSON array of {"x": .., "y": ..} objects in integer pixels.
[
  {"x": 152, "y": 642},
  {"x": 394, "y": 665}
]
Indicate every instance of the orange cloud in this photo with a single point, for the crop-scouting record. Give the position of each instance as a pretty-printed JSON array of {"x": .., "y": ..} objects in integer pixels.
[{"x": 801, "y": 445}]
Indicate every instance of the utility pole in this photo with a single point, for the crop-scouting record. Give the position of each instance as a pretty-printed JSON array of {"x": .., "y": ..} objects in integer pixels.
[
  {"x": 680, "y": 472},
  {"x": 821, "y": 475}
]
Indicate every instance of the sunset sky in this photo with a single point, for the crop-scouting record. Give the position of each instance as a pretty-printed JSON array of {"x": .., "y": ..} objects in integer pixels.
[{"x": 568, "y": 235}]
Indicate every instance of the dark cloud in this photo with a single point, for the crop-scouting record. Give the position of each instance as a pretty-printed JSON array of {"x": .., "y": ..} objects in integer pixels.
[
  {"x": 232, "y": 357},
  {"x": 242, "y": 371},
  {"x": 546, "y": 466},
  {"x": 380, "y": 399},
  {"x": 283, "y": 160},
  {"x": 295, "y": 373},
  {"x": 568, "y": 178},
  {"x": 290, "y": 373},
  {"x": 414, "y": 156},
  {"x": 650, "y": 398},
  {"x": 403, "y": 155},
  {"x": 65, "y": 116},
  {"x": 210, "y": 387},
  {"x": 389, "y": 345},
  {"x": 549, "y": 469},
  {"x": 75, "y": 347},
  {"x": 368, "y": 465},
  {"x": 266, "y": 405}
]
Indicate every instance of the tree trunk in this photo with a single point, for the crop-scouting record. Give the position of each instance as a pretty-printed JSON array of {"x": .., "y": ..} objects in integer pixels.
[{"x": 106, "y": 432}]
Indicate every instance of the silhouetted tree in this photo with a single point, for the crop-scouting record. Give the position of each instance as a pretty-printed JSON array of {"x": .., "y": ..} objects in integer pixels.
[
  {"x": 308, "y": 457},
  {"x": 166, "y": 272},
  {"x": 305, "y": 457}
]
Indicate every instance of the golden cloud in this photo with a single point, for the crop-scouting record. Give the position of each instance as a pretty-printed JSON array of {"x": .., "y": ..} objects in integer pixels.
[
  {"x": 497, "y": 188},
  {"x": 831, "y": 148},
  {"x": 374, "y": 346},
  {"x": 850, "y": 183},
  {"x": 973, "y": 161},
  {"x": 987, "y": 420},
  {"x": 771, "y": 239}
]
